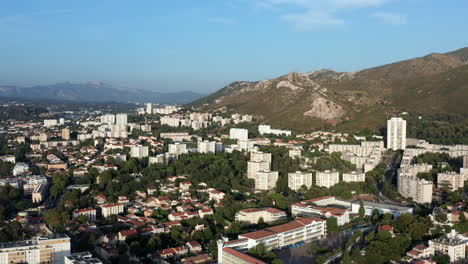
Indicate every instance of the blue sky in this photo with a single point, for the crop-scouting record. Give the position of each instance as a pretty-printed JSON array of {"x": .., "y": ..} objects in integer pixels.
[{"x": 202, "y": 45}]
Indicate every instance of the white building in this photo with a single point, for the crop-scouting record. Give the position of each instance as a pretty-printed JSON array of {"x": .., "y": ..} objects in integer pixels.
[
  {"x": 255, "y": 166},
  {"x": 354, "y": 176},
  {"x": 82, "y": 258},
  {"x": 207, "y": 146},
  {"x": 178, "y": 148},
  {"x": 260, "y": 156},
  {"x": 396, "y": 133},
  {"x": 170, "y": 121},
  {"x": 108, "y": 119},
  {"x": 451, "y": 180},
  {"x": 410, "y": 186},
  {"x": 266, "y": 129},
  {"x": 139, "y": 151},
  {"x": 265, "y": 180},
  {"x": 297, "y": 179},
  {"x": 253, "y": 215},
  {"x": 121, "y": 119},
  {"x": 369, "y": 208},
  {"x": 111, "y": 209},
  {"x": 239, "y": 133},
  {"x": 20, "y": 168},
  {"x": 90, "y": 213},
  {"x": 327, "y": 178},
  {"x": 50, "y": 249},
  {"x": 50, "y": 122},
  {"x": 453, "y": 247},
  {"x": 149, "y": 108}
]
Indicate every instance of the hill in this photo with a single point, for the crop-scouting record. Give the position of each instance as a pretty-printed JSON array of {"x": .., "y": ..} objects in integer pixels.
[
  {"x": 436, "y": 83},
  {"x": 95, "y": 92}
]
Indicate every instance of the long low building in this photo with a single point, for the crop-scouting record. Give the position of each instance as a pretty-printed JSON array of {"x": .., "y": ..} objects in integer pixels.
[
  {"x": 301, "y": 230},
  {"x": 369, "y": 207},
  {"x": 253, "y": 215}
]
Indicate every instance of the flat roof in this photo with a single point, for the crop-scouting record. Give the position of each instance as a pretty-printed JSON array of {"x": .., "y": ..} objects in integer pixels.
[{"x": 384, "y": 205}]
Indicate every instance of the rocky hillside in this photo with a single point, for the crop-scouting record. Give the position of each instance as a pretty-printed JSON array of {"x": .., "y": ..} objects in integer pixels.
[
  {"x": 95, "y": 92},
  {"x": 431, "y": 84}
]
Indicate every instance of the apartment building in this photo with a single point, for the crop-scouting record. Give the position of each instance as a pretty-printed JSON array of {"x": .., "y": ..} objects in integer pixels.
[
  {"x": 45, "y": 249},
  {"x": 327, "y": 178},
  {"x": 410, "y": 186},
  {"x": 139, "y": 151},
  {"x": 170, "y": 121},
  {"x": 121, "y": 119},
  {"x": 253, "y": 215},
  {"x": 266, "y": 129},
  {"x": 112, "y": 209},
  {"x": 298, "y": 179},
  {"x": 265, "y": 180},
  {"x": 239, "y": 133},
  {"x": 396, "y": 133},
  {"x": 178, "y": 148},
  {"x": 50, "y": 122},
  {"x": 354, "y": 176},
  {"x": 451, "y": 180},
  {"x": 255, "y": 166},
  {"x": 453, "y": 247},
  {"x": 66, "y": 134},
  {"x": 90, "y": 213},
  {"x": 107, "y": 119},
  {"x": 259, "y": 156},
  {"x": 82, "y": 258},
  {"x": 207, "y": 146}
]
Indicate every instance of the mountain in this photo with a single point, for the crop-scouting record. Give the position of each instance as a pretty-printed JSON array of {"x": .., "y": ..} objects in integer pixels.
[
  {"x": 95, "y": 92},
  {"x": 436, "y": 83}
]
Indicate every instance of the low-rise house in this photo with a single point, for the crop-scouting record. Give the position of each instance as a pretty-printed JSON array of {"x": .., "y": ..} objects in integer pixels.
[{"x": 194, "y": 247}]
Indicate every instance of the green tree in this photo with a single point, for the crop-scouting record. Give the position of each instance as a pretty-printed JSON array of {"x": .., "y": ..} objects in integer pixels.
[
  {"x": 362, "y": 210},
  {"x": 332, "y": 225}
]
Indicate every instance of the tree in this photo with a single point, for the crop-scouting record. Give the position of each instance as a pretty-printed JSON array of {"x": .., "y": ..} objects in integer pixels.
[
  {"x": 441, "y": 217},
  {"x": 441, "y": 259},
  {"x": 332, "y": 225},
  {"x": 346, "y": 257},
  {"x": 314, "y": 248},
  {"x": 362, "y": 210}
]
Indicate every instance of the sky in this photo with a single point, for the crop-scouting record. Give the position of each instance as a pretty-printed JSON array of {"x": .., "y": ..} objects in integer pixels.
[{"x": 203, "y": 45}]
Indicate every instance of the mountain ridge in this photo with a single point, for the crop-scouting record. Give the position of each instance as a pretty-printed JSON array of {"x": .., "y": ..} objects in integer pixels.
[
  {"x": 361, "y": 99},
  {"x": 95, "y": 92}
]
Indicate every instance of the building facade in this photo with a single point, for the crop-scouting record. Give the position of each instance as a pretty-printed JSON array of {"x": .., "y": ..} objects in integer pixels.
[{"x": 396, "y": 133}]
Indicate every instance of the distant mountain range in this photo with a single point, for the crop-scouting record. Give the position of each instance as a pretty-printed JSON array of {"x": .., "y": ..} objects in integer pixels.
[
  {"x": 95, "y": 92},
  {"x": 436, "y": 83}
]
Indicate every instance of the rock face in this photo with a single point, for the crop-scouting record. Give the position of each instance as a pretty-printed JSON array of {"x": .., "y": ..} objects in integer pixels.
[
  {"x": 365, "y": 98},
  {"x": 324, "y": 109}
]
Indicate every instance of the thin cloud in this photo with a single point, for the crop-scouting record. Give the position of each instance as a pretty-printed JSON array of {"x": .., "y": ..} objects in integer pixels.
[
  {"x": 391, "y": 18},
  {"x": 221, "y": 20},
  {"x": 312, "y": 20}
]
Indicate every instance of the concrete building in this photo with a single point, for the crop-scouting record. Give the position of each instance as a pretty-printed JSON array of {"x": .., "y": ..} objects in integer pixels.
[
  {"x": 410, "y": 186},
  {"x": 111, "y": 209},
  {"x": 239, "y": 133},
  {"x": 260, "y": 156},
  {"x": 451, "y": 180},
  {"x": 50, "y": 249},
  {"x": 121, "y": 119},
  {"x": 50, "y": 122},
  {"x": 90, "y": 213},
  {"x": 149, "y": 108},
  {"x": 354, "y": 176},
  {"x": 297, "y": 179},
  {"x": 66, "y": 134},
  {"x": 139, "y": 151},
  {"x": 266, "y": 129},
  {"x": 82, "y": 258},
  {"x": 301, "y": 230},
  {"x": 253, "y": 215},
  {"x": 255, "y": 166},
  {"x": 396, "y": 133},
  {"x": 232, "y": 256},
  {"x": 327, "y": 178},
  {"x": 170, "y": 121},
  {"x": 178, "y": 149},
  {"x": 207, "y": 146},
  {"x": 453, "y": 247},
  {"x": 369, "y": 207},
  {"x": 20, "y": 168},
  {"x": 265, "y": 180},
  {"x": 108, "y": 119}
]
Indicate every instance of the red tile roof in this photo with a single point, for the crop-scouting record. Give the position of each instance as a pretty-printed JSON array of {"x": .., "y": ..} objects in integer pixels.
[{"x": 246, "y": 258}]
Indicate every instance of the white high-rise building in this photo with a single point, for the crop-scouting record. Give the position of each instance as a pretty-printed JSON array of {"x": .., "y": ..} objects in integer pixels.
[
  {"x": 149, "y": 108},
  {"x": 256, "y": 166},
  {"x": 139, "y": 151},
  {"x": 297, "y": 179},
  {"x": 50, "y": 122},
  {"x": 121, "y": 119},
  {"x": 260, "y": 156},
  {"x": 266, "y": 180},
  {"x": 207, "y": 146},
  {"x": 327, "y": 178},
  {"x": 396, "y": 133},
  {"x": 239, "y": 133},
  {"x": 410, "y": 186},
  {"x": 108, "y": 119},
  {"x": 354, "y": 176}
]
